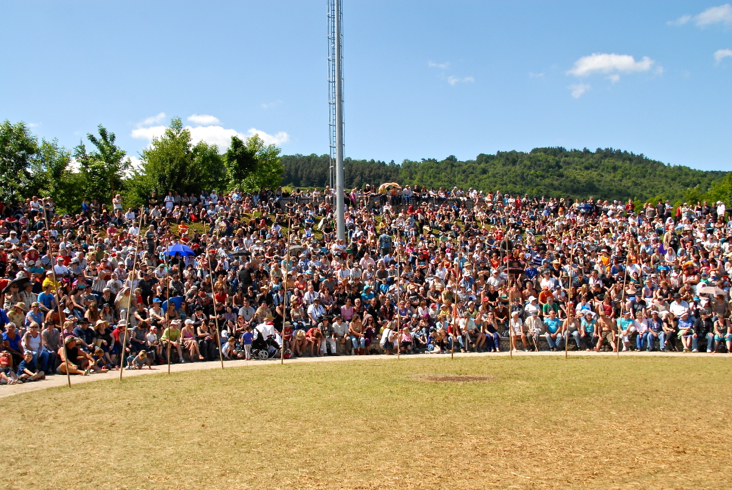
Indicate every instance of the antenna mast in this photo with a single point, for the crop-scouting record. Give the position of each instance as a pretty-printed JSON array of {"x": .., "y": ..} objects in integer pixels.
[{"x": 335, "y": 103}]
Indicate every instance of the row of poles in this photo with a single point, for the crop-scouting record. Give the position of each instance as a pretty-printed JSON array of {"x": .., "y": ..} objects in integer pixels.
[{"x": 455, "y": 325}]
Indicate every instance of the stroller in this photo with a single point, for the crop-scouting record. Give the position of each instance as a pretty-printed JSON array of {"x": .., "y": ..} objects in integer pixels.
[{"x": 268, "y": 348}]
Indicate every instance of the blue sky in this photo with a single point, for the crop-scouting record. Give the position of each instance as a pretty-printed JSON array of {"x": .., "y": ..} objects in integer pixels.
[{"x": 424, "y": 79}]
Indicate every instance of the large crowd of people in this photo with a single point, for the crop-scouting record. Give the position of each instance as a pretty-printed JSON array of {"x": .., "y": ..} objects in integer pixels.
[{"x": 420, "y": 271}]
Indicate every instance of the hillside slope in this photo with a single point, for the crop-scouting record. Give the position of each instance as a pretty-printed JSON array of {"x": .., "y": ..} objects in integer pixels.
[{"x": 605, "y": 174}]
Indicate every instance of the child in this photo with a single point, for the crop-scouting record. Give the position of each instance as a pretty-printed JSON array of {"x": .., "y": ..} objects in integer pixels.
[
  {"x": 247, "y": 338},
  {"x": 406, "y": 341},
  {"x": 141, "y": 360},
  {"x": 154, "y": 343},
  {"x": 230, "y": 349},
  {"x": 27, "y": 369},
  {"x": 7, "y": 374},
  {"x": 432, "y": 346},
  {"x": 101, "y": 361}
]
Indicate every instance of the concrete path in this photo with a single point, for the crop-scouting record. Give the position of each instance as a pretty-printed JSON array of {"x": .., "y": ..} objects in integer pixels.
[{"x": 60, "y": 380}]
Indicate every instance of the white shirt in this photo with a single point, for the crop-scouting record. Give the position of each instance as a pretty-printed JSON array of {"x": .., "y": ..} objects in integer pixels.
[
  {"x": 266, "y": 329},
  {"x": 677, "y": 309},
  {"x": 548, "y": 283},
  {"x": 316, "y": 311}
]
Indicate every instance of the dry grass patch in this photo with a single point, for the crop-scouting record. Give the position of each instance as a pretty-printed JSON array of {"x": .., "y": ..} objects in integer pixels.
[{"x": 542, "y": 422}]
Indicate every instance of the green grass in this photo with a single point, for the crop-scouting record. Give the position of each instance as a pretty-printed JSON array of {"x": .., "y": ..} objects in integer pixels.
[{"x": 539, "y": 422}]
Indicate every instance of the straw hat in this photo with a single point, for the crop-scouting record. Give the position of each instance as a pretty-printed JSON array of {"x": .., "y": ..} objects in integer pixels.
[{"x": 300, "y": 334}]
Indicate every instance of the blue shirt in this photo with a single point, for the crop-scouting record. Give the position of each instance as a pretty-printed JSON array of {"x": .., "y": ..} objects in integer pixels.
[
  {"x": 552, "y": 325},
  {"x": 13, "y": 343},
  {"x": 46, "y": 299},
  {"x": 30, "y": 366},
  {"x": 34, "y": 317},
  {"x": 247, "y": 337},
  {"x": 688, "y": 323}
]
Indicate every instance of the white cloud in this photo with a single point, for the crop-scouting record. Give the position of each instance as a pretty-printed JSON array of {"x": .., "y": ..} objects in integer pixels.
[
  {"x": 680, "y": 21},
  {"x": 441, "y": 66},
  {"x": 720, "y": 54},
  {"x": 455, "y": 80},
  {"x": 609, "y": 63},
  {"x": 615, "y": 78},
  {"x": 213, "y": 134},
  {"x": 135, "y": 165},
  {"x": 152, "y": 120},
  {"x": 203, "y": 119},
  {"x": 74, "y": 165},
  {"x": 148, "y": 133},
  {"x": 712, "y": 15},
  {"x": 33, "y": 125},
  {"x": 536, "y": 75},
  {"x": 578, "y": 89},
  {"x": 270, "y": 139},
  {"x": 270, "y": 105}
]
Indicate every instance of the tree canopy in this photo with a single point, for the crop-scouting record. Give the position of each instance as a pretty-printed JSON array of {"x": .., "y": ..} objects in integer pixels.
[
  {"x": 172, "y": 162},
  {"x": 604, "y": 173}
]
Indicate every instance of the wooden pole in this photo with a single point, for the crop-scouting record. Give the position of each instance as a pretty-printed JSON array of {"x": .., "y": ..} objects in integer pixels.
[
  {"x": 129, "y": 306},
  {"x": 284, "y": 287},
  {"x": 566, "y": 335},
  {"x": 622, "y": 307},
  {"x": 399, "y": 325},
  {"x": 216, "y": 317},
  {"x": 511, "y": 335},
  {"x": 58, "y": 296},
  {"x": 167, "y": 310},
  {"x": 454, "y": 320},
  {"x": 569, "y": 295}
]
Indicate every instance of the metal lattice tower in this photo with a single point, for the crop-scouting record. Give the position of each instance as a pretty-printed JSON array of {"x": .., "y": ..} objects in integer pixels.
[
  {"x": 331, "y": 90},
  {"x": 335, "y": 105}
]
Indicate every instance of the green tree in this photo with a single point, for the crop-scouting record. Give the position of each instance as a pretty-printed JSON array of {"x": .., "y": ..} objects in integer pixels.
[
  {"x": 172, "y": 162},
  {"x": 209, "y": 167},
  {"x": 268, "y": 170},
  {"x": 17, "y": 148},
  {"x": 103, "y": 170},
  {"x": 240, "y": 161},
  {"x": 720, "y": 190},
  {"x": 51, "y": 176}
]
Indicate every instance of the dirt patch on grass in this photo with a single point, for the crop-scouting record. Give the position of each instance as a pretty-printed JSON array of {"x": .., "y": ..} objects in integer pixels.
[{"x": 452, "y": 378}]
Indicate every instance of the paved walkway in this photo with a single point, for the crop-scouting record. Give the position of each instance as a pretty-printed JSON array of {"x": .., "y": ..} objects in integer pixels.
[{"x": 60, "y": 380}]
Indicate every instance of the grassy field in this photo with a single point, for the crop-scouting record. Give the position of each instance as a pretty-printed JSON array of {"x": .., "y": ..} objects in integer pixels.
[{"x": 533, "y": 422}]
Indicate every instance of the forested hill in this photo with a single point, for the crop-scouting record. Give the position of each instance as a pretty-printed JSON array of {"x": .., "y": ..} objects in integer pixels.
[{"x": 605, "y": 174}]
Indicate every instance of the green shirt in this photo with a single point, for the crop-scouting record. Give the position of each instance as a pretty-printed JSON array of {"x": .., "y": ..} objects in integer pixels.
[{"x": 170, "y": 335}]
